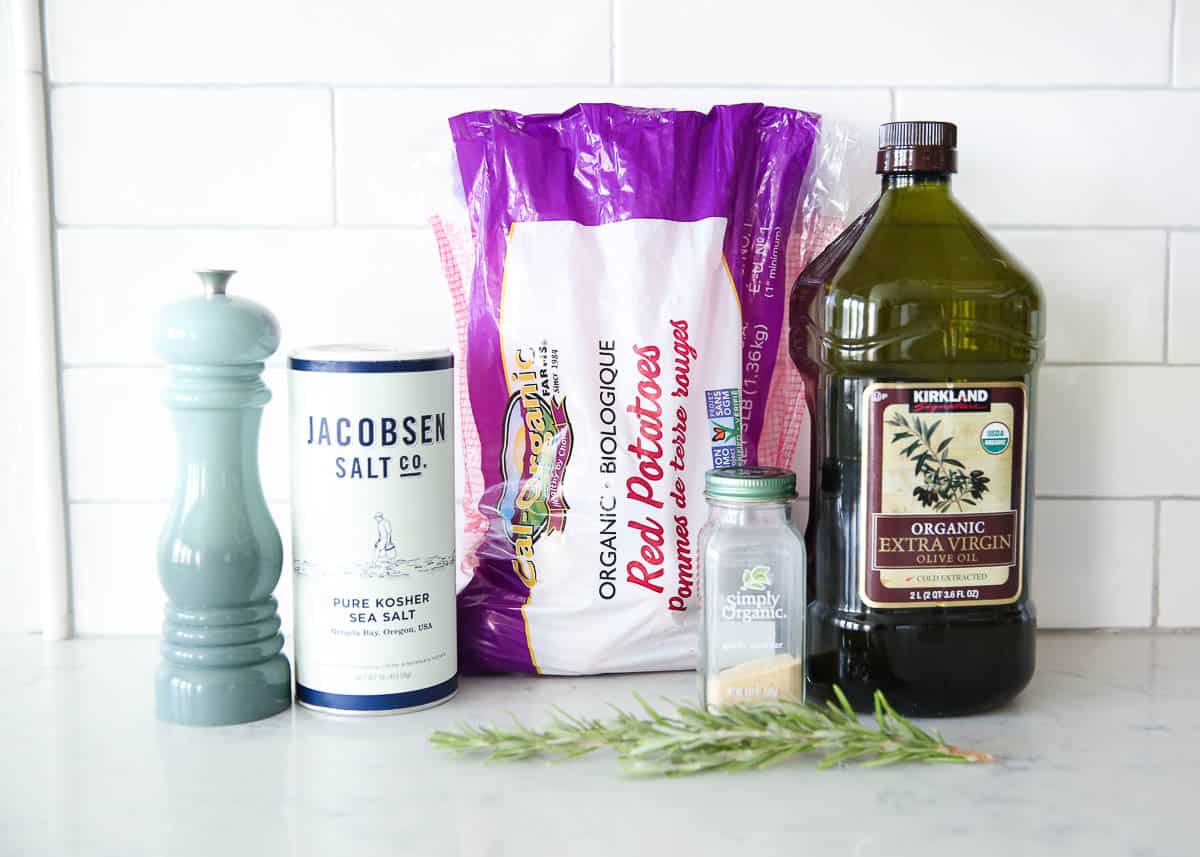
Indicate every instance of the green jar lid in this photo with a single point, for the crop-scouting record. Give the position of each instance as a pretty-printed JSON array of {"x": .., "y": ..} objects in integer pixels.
[{"x": 751, "y": 484}]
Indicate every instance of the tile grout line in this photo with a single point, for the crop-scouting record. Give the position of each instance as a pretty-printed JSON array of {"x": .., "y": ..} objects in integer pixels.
[
  {"x": 333, "y": 159},
  {"x": 1114, "y": 498},
  {"x": 612, "y": 42},
  {"x": 1171, "y": 34},
  {"x": 408, "y": 86},
  {"x": 281, "y": 499},
  {"x": 241, "y": 227},
  {"x": 1119, "y": 364},
  {"x": 1166, "y": 324},
  {"x": 1156, "y": 541},
  {"x": 1095, "y": 227}
]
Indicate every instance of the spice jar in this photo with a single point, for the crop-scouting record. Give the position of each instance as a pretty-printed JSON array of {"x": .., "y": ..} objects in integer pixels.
[{"x": 753, "y": 572}]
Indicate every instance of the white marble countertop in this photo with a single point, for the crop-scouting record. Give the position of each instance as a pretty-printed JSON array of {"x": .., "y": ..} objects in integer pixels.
[{"x": 1100, "y": 756}]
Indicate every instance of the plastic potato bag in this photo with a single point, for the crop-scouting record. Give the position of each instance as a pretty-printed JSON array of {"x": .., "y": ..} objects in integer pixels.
[{"x": 620, "y": 325}]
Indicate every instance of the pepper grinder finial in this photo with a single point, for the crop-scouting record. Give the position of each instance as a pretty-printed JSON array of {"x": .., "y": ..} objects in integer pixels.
[
  {"x": 214, "y": 280},
  {"x": 220, "y": 554}
]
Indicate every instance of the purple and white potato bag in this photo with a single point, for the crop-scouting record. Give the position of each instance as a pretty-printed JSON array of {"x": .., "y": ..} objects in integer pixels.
[{"x": 622, "y": 324}]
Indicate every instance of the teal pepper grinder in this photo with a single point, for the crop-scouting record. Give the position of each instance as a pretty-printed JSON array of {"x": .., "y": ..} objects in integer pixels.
[{"x": 219, "y": 556}]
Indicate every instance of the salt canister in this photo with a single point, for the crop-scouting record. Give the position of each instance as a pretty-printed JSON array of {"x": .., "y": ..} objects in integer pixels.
[{"x": 372, "y": 528}]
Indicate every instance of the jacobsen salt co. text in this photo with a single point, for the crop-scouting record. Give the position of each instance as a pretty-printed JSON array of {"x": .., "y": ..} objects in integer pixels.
[{"x": 377, "y": 432}]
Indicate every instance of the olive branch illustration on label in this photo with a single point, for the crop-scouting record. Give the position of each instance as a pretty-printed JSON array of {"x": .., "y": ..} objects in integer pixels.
[{"x": 945, "y": 481}]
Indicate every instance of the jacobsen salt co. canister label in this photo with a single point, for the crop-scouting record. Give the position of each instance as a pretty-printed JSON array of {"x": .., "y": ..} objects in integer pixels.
[
  {"x": 944, "y": 481},
  {"x": 372, "y": 528}
]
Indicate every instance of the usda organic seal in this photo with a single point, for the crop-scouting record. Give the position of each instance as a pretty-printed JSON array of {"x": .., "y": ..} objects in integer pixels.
[{"x": 995, "y": 438}]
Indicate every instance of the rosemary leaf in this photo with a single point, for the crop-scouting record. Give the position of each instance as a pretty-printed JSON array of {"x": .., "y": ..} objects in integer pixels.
[{"x": 696, "y": 740}]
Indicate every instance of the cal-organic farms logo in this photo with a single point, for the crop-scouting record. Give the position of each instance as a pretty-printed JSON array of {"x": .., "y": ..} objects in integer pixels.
[
  {"x": 945, "y": 482},
  {"x": 533, "y": 461},
  {"x": 756, "y": 579}
]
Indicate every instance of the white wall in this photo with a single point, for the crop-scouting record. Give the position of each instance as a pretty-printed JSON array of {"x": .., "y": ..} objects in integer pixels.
[
  {"x": 34, "y": 592},
  {"x": 298, "y": 142},
  {"x": 18, "y": 584}
]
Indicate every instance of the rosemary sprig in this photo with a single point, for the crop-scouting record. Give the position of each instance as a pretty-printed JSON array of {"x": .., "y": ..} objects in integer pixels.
[{"x": 730, "y": 737}]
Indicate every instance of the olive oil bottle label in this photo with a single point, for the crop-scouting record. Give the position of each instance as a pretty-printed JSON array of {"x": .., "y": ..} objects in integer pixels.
[{"x": 944, "y": 482}]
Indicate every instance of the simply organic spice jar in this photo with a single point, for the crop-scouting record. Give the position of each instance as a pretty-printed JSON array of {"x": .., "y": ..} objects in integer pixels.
[{"x": 752, "y": 569}]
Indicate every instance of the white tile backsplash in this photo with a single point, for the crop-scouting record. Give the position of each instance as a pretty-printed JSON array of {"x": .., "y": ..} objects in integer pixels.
[
  {"x": 24, "y": 28},
  {"x": 865, "y": 42},
  {"x": 1178, "y": 581},
  {"x": 1187, "y": 43},
  {"x": 1184, "y": 310},
  {"x": 1071, "y": 157},
  {"x": 1118, "y": 431},
  {"x": 358, "y": 41},
  {"x": 1089, "y": 565},
  {"x": 167, "y": 157},
  {"x": 305, "y": 144},
  {"x": 394, "y": 157},
  {"x": 120, "y": 444},
  {"x": 20, "y": 571},
  {"x": 324, "y": 285},
  {"x": 114, "y": 572},
  {"x": 1104, "y": 291},
  {"x": 19, "y": 567}
]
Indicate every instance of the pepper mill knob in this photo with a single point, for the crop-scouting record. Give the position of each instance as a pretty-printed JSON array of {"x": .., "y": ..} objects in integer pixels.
[
  {"x": 220, "y": 554},
  {"x": 214, "y": 280}
]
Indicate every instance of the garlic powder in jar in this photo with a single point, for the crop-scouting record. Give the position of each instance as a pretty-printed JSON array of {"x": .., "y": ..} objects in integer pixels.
[{"x": 753, "y": 572}]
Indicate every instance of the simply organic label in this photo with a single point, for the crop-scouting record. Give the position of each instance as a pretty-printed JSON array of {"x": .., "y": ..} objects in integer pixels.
[
  {"x": 745, "y": 620},
  {"x": 373, "y": 536},
  {"x": 944, "y": 475}
]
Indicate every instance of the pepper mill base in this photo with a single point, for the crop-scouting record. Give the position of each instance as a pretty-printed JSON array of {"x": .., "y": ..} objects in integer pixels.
[
  {"x": 220, "y": 696},
  {"x": 222, "y": 665}
]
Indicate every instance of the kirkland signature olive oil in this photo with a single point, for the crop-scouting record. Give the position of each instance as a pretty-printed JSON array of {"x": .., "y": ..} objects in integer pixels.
[{"x": 924, "y": 337}]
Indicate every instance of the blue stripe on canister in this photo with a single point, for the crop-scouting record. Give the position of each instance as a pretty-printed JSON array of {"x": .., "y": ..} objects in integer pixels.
[
  {"x": 415, "y": 364},
  {"x": 376, "y": 701}
]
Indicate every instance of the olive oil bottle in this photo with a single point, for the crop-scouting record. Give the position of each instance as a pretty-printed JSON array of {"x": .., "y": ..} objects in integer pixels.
[{"x": 924, "y": 338}]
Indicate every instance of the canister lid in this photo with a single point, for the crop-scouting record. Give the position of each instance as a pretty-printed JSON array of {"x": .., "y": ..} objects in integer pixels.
[
  {"x": 365, "y": 357},
  {"x": 750, "y": 483}
]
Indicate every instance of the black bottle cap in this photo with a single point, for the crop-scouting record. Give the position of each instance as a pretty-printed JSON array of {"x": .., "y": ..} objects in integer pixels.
[{"x": 917, "y": 147}]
